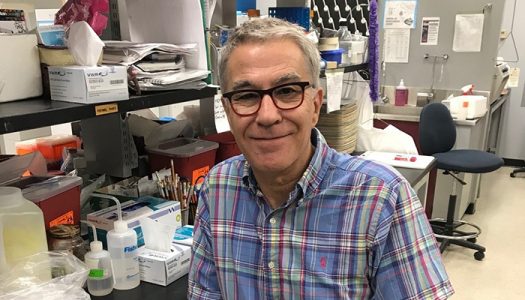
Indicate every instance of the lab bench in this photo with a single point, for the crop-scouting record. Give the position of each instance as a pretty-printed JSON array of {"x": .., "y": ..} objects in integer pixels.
[{"x": 471, "y": 134}]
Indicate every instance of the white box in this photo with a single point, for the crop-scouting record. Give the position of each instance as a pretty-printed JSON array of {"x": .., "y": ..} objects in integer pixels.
[
  {"x": 477, "y": 105},
  {"x": 82, "y": 84},
  {"x": 20, "y": 75},
  {"x": 163, "y": 268},
  {"x": 167, "y": 212}
]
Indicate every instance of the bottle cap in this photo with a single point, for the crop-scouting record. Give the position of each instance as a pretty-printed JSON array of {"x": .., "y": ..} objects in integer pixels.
[
  {"x": 10, "y": 196},
  {"x": 96, "y": 246},
  {"x": 120, "y": 226}
]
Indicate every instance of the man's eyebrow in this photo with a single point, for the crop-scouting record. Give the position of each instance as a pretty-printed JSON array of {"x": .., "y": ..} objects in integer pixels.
[
  {"x": 241, "y": 84},
  {"x": 287, "y": 78}
]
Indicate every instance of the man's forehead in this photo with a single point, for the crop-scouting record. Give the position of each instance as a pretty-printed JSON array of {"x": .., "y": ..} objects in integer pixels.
[{"x": 283, "y": 78}]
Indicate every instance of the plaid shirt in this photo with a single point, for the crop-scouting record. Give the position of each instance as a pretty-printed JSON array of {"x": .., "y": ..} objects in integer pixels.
[{"x": 351, "y": 229}]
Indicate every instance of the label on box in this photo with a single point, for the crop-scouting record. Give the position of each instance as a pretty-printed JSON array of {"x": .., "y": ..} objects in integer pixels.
[
  {"x": 67, "y": 218},
  {"x": 198, "y": 173},
  {"x": 101, "y": 81}
]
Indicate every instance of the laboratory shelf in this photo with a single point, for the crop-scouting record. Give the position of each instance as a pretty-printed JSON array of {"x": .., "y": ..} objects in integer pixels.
[
  {"x": 39, "y": 112},
  {"x": 362, "y": 69}
]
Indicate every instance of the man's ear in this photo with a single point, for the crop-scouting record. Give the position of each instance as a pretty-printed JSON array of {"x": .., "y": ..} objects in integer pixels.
[
  {"x": 318, "y": 102},
  {"x": 227, "y": 110}
]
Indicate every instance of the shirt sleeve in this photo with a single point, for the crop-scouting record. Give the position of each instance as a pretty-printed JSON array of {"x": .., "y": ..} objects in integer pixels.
[
  {"x": 406, "y": 258},
  {"x": 202, "y": 278}
]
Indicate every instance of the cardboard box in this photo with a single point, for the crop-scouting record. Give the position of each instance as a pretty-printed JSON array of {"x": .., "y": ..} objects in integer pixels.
[
  {"x": 82, "y": 84},
  {"x": 20, "y": 75},
  {"x": 167, "y": 212},
  {"x": 163, "y": 268}
]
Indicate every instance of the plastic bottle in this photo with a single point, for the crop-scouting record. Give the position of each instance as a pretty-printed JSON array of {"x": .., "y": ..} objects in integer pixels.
[
  {"x": 22, "y": 229},
  {"x": 358, "y": 48},
  {"x": 122, "y": 246},
  {"x": 401, "y": 94},
  {"x": 100, "y": 279},
  {"x": 345, "y": 41}
]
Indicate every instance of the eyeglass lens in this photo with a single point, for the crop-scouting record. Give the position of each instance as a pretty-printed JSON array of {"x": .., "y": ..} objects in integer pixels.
[{"x": 284, "y": 97}]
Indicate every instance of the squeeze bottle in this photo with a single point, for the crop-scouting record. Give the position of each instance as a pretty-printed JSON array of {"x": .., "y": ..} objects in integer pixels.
[
  {"x": 122, "y": 247},
  {"x": 22, "y": 229},
  {"x": 100, "y": 279},
  {"x": 401, "y": 94}
]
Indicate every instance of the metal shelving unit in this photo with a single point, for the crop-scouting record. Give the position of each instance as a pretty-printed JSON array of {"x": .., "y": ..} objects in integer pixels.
[
  {"x": 362, "y": 69},
  {"x": 39, "y": 112}
]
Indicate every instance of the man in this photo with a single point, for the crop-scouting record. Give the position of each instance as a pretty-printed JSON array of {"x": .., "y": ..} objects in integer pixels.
[{"x": 291, "y": 218}]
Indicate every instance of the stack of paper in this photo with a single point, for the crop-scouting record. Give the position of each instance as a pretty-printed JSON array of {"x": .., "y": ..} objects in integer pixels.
[
  {"x": 155, "y": 66},
  {"x": 340, "y": 128}
]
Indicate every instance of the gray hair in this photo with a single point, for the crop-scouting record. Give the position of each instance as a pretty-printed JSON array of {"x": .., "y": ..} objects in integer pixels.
[{"x": 269, "y": 29}]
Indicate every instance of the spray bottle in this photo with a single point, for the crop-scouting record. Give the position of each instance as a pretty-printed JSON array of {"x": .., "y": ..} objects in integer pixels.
[
  {"x": 122, "y": 246},
  {"x": 100, "y": 279}
]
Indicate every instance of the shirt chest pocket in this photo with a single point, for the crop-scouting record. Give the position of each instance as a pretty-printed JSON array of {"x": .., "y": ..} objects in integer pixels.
[{"x": 331, "y": 258}]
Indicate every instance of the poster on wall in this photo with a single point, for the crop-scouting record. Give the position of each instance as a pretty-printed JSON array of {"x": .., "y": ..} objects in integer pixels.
[
  {"x": 429, "y": 31},
  {"x": 400, "y": 14},
  {"x": 396, "y": 45},
  {"x": 468, "y": 33}
]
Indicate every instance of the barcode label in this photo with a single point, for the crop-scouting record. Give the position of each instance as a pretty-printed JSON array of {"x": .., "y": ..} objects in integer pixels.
[
  {"x": 118, "y": 81},
  {"x": 95, "y": 80}
]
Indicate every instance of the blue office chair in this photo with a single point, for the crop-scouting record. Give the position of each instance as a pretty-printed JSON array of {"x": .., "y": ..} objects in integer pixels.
[{"x": 437, "y": 136}]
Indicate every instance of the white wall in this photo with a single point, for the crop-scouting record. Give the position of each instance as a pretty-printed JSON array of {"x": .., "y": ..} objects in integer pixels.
[{"x": 512, "y": 142}]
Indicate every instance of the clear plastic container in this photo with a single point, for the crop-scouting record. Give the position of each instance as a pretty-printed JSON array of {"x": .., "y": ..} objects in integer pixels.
[
  {"x": 345, "y": 41},
  {"x": 22, "y": 231}
]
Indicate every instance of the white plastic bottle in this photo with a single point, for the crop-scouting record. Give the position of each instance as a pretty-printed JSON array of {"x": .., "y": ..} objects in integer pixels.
[
  {"x": 122, "y": 246},
  {"x": 100, "y": 279}
]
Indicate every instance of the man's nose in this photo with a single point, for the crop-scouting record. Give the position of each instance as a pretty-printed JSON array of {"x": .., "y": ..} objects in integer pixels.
[{"x": 268, "y": 113}]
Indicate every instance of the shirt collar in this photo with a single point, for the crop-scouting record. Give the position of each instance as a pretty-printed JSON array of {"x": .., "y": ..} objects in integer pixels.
[{"x": 312, "y": 176}]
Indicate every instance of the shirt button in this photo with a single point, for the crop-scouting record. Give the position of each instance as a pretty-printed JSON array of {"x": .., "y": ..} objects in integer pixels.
[
  {"x": 272, "y": 221},
  {"x": 271, "y": 265}
]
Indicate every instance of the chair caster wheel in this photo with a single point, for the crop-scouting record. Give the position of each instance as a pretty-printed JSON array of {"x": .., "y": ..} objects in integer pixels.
[
  {"x": 472, "y": 240},
  {"x": 479, "y": 255}
]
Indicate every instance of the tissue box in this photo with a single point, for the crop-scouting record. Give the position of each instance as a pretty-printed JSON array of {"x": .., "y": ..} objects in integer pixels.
[
  {"x": 82, "y": 84},
  {"x": 167, "y": 212},
  {"x": 163, "y": 268}
]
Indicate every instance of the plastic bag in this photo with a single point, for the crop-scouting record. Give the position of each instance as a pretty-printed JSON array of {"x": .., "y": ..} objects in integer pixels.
[
  {"x": 45, "y": 276},
  {"x": 389, "y": 139}
]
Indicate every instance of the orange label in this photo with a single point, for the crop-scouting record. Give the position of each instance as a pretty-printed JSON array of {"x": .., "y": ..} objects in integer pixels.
[
  {"x": 199, "y": 172},
  {"x": 66, "y": 218},
  {"x": 106, "y": 109}
]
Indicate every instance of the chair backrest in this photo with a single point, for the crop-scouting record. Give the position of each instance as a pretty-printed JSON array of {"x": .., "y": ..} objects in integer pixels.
[{"x": 437, "y": 131}]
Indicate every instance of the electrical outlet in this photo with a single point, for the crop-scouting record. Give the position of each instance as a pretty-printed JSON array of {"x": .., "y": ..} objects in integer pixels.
[{"x": 504, "y": 34}]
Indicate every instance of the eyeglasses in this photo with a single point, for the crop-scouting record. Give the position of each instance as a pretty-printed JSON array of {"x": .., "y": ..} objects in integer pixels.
[{"x": 285, "y": 97}]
